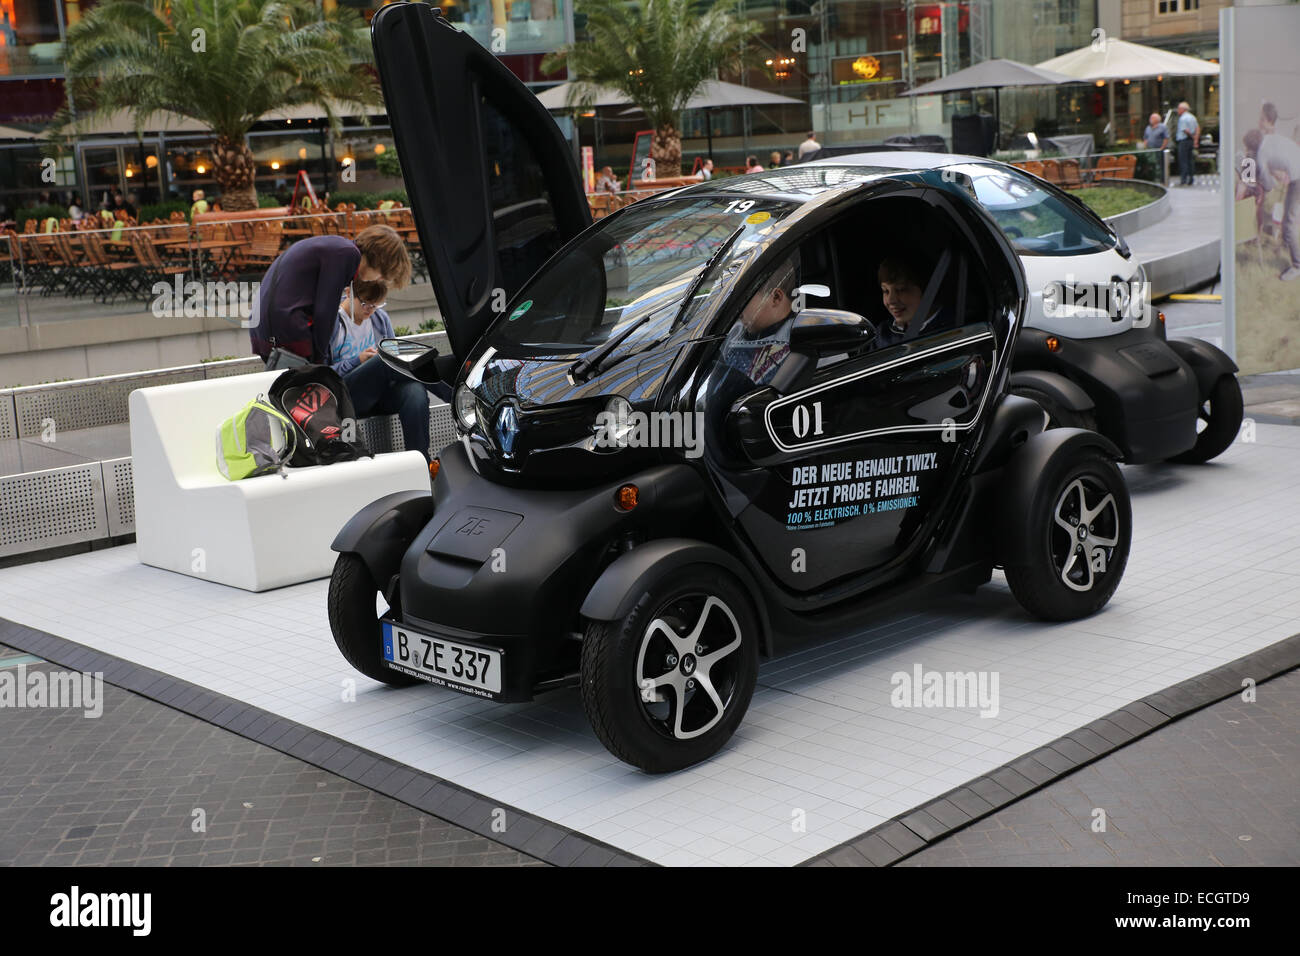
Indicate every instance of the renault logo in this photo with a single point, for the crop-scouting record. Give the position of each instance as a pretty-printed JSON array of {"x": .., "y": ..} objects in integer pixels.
[{"x": 506, "y": 430}]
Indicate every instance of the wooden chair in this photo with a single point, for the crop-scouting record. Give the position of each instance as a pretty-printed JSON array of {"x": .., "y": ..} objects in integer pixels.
[
  {"x": 152, "y": 266},
  {"x": 1127, "y": 165},
  {"x": 110, "y": 277},
  {"x": 1052, "y": 171},
  {"x": 1033, "y": 167},
  {"x": 264, "y": 247},
  {"x": 1071, "y": 174},
  {"x": 1106, "y": 166}
]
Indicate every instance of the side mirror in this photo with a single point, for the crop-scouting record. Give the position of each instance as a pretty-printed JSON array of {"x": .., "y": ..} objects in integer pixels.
[
  {"x": 829, "y": 332},
  {"x": 413, "y": 359}
]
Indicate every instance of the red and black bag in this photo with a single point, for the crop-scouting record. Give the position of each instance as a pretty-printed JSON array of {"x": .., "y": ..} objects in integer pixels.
[{"x": 316, "y": 400}]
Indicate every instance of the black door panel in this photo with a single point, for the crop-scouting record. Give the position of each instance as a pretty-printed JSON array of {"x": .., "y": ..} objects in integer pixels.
[{"x": 492, "y": 185}]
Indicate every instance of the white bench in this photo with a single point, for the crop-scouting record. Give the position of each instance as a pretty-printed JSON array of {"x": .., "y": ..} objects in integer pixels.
[{"x": 255, "y": 534}]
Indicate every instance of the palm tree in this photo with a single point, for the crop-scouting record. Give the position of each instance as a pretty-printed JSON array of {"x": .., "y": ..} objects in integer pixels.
[
  {"x": 224, "y": 63},
  {"x": 657, "y": 53}
]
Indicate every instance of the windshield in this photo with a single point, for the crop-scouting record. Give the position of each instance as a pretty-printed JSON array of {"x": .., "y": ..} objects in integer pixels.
[
  {"x": 1038, "y": 222},
  {"x": 638, "y": 271}
]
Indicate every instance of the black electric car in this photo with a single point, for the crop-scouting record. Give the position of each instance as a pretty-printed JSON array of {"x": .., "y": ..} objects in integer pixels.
[
  {"x": 682, "y": 446},
  {"x": 1093, "y": 350}
]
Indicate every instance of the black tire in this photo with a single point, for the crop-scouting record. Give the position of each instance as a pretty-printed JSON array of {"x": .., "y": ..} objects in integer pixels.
[
  {"x": 1038, "y": 581},
  {"x": 355, "y": 624},
  {"x": 644, "y": 732},
  {"x": 1221, "y": 412},
  {"x": 1058, "y": 416}
]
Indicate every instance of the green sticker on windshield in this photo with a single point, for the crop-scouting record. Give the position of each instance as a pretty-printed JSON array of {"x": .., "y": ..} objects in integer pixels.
[{"x": 520, "y": 310}]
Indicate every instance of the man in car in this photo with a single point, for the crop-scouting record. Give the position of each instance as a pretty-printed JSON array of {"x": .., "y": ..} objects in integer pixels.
[
  {"x": 760, "y": 340},
  {"x": 902, "y": 286}
]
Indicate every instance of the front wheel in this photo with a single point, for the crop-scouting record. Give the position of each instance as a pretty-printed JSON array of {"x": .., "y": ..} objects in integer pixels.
[
  {"x": 666, "y": 686},
  {"x": 1079, "y": 527},
  {"x": 1218, "y": 419},
  {"x": 354, "y": 620}
]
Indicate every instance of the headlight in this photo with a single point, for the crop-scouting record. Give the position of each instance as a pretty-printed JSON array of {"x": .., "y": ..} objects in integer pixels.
[
  {"x": 463, "y": 405},
  {"x": 613, "y": 423}
]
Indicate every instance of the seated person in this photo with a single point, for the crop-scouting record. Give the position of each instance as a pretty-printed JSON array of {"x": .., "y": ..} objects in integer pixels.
[
  {"x": 375, "y": 388},
  {"x": 902, "y": 286},
  {"x": 760, "y": 340}
]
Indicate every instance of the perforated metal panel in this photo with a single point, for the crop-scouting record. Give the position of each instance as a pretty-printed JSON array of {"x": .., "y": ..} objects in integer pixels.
[
  {"x": 442, "y": 429},
  {"x": 88, "y": 403},
  {"x": 381, "y": 433},
  {"x": 119, "y": 496},
  {"x": 233, "y": 367},
  {"x": 8, "y": 421},
  {"x": 46, "y": 509}
]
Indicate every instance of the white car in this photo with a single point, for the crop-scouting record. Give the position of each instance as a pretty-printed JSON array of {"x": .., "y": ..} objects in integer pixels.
[{"x": 1093, "y": 351}]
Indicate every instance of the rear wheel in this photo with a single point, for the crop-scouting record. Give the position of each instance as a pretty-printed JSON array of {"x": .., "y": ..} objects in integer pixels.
[
  {"x": 1218, "y": 419},
  {"x": 354, "y": 620},
  {"x": 1079, "y": 529},
  {"x": 1058, "y": 416},
  {"x": 666, "y": 686}
]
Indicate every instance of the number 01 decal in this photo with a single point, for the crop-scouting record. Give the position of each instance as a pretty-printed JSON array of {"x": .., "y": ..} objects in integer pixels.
[{"x": 801, "y": 420}]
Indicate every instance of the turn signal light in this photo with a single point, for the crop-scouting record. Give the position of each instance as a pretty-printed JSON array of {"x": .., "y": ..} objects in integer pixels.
[
  {"x": 1053, "y": 344},
  {"x": 626, "y": 497},
  {"x": 434, "y": 467},
  {"x": 1160, "y": 316}
]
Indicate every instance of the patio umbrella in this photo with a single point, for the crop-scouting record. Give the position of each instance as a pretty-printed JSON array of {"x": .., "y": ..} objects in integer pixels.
[
  {"x": 11, "y": 132},
  {"x": 712, "y": 94},
  {"x": 994, "y": 75},
  {"x": 1121, "y": 60}
]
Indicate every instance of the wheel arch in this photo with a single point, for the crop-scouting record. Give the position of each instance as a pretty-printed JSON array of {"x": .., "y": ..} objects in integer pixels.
[
  {"x": 1063, "y": 391},
  {"x": 1207, "y": 362},
  {"x": 381, "y": 532},
  {"x": 1022, "y": 481},
  {"x": 616, "y": 590}
]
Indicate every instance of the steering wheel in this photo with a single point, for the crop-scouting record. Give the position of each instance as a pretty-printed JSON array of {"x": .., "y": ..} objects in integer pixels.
[{"x": 1014, "y": 232}]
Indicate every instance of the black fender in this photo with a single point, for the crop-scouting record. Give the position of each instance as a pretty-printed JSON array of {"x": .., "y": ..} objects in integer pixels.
[
  {"x": 1015, "y": 420},
  {"x": 1065, "y": 392},
  {"x": 1021, "y": 486},
  {"x": 381, "y": 532},
  {"x": 619, "y": 585},
  {"x": 1207, "y": 363}
]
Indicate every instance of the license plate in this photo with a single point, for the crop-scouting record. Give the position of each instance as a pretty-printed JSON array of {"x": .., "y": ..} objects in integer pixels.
[{"x": 473, "y": 670}]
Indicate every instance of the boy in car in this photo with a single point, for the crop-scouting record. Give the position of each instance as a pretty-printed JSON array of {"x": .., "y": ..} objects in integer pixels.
[
  {"x": 760, "y": 341},
  {"x": 902, "y": 285}
]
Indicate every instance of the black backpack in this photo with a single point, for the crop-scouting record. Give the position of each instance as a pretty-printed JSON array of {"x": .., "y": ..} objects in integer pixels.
[{"x": 316, "y": 400}]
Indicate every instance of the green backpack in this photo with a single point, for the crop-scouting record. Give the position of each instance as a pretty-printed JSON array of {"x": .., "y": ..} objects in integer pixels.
[{"x": 256, "y": 441}]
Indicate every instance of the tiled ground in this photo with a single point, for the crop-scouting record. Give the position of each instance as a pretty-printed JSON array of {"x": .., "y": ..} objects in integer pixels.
[
  {"x": 1220, "y": 787},
  {"x": 122, "y": 790},
  {"x": 822, "y": 755}
]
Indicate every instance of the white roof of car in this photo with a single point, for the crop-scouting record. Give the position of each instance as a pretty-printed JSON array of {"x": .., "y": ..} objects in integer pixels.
[{"x": 898, "y": 159}]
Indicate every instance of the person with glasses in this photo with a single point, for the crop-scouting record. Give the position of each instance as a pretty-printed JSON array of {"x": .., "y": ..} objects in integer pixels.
[{"x": 375, "y": 388}]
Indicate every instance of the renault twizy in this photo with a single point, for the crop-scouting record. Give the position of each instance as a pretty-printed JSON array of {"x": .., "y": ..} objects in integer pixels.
[
  {"x": 681, "y": 445},
  {"x": 1093, "y": 350}
]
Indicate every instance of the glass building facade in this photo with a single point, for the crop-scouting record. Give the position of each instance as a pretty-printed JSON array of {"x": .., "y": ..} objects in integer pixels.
[{"x": 847, "y": 63}]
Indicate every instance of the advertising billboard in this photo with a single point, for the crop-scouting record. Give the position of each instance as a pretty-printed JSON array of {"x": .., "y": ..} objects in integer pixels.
[{"x": 1261, "y": 185}]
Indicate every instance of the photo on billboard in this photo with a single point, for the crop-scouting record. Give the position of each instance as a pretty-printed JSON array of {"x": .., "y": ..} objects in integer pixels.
[{"x": 1261, "y": 141}]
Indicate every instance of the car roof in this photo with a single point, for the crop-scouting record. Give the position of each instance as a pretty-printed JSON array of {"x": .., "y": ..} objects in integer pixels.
[
  {"x": 797, "y": 184},
  {"x": 898, "y": 159}
]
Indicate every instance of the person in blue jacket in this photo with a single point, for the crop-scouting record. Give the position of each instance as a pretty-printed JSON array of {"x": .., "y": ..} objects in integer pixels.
[{"x": 375, "y": 388}]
